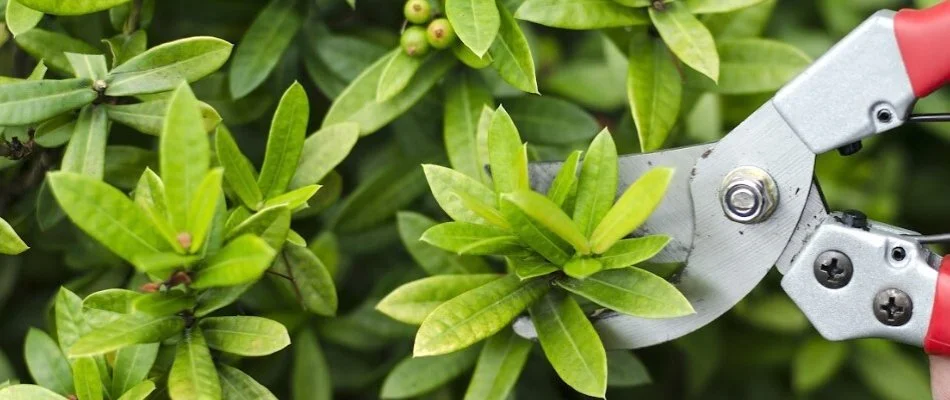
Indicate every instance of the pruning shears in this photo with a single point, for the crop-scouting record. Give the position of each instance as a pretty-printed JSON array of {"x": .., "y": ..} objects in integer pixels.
[{"x": 750, "y": 201}]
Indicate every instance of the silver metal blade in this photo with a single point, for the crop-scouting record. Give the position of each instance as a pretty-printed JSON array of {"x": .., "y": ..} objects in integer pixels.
[{"x": 815, "y": 211}]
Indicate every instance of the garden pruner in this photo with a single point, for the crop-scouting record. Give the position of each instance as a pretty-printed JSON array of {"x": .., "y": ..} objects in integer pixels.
[{"x": 750, "y": 201}]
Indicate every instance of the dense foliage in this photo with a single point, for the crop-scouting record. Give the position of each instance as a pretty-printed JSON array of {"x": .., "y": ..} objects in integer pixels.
[{"x": 338, "y": 203}]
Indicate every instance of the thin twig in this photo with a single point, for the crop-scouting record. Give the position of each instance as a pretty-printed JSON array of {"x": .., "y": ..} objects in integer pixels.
[
  {"x": 132, "y": 22},
  {"x": 293, "y": 282}
]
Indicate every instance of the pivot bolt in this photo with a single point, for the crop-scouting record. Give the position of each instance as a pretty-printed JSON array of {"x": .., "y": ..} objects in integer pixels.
[
  {"x": 833, "y": 269},
  {"x": 748, "y": 195},
  {"x": 893, "y": 307}
]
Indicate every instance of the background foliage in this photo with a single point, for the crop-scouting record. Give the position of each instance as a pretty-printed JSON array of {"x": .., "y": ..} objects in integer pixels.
[{"x": 360, "y": 222}]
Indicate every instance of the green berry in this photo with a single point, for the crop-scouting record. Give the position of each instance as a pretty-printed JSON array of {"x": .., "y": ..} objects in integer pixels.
[
  {"x": 417, "y": 11},
  {"x": 440, "y": 33},
  {"x": 414, "y": 42}
]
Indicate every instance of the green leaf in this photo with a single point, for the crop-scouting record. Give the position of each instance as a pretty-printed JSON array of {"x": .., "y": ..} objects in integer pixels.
[
  {"x": 262, "y": 46},
  {"x": 162, "y": 304},
  {"x": 718, "y": 6},
  {"x": 512, "y": 55},
  {"x": 904, "y": 377},
  {"x": 433, "y": 260},
  {"x": 747, "y": 22},
  {"x": 465, "y": 96},
  {"x": 28, "y": 392},
  {"x": 565, "y": 183},
  {"x": 159, "y": 263},
  {"x": 148, "y": 117},
  {"x": 311, "y": 279},
  {"x": 597, "y": 186},
  {"x": 396, "y": 75},
  {"x": 445, "y": 183},
  {"x": 509, "y": 162},
  {"x": 51, "y": 48},
  {"x": 125, "y": 46},
  {"x": 46, "y": 363},
  {"x": 632, "y": 209},
  {"x": 241, "y": 261},
  {"x": 469, "y": 238},
  {"x": 71, "y": 7},
  {"x": 631, "y": 291},
  {"x": 774, "y": 312},
  {"x": 10, "y": 242},
  {"x": 757, "y": 65},
  {"x": 323, "y": 151},
  {"x": 271, "y": 224},
  {"x": 202, "y": 209},
  {"x": 89, "y": 66},
  {"x": 131, "y": 367},
  {"x": 311, "y": 374},
  {"x": 476, "y": 22},
  {"x": 654, "y": 90},
  {"x": 624, "y": 369},
  {"x": 816, "y": 362},
  {"x": 469, "y": 58},
  {"x": 150, "y": 196},
  {"x": 164, "y": 67},
  {"x": 238, "y": 171},
  {"x": 21, "y": 18},
  {"x": 192, "y": 375},
  {"x": 56, "y": 131},
  {"x": 236, "y": 385},
  {"x": 29, "y": 102},
  {"x": 106, "y": 214},
  {"x": 70, "y": 323},
  {"x": 358, "y": 102},
  {"x": 413, "y": 302},
  {"x": 582, "y": 267},
  {"x": 573, "y": 14},
  {"x": 571, "y": 344},
  {"x": 488, "y": 213},
  {"x": 415, "y": 376},
  {"x": 285, "y": 142},
  {"x": 531, "y": 266},
  {"x": 86, "y": 151},
  {"x": 548, "y": 120},
  {"x": 294, "y": 199},
  {"x": 550, "y": 215},
  {"x": 184, "y": 154},
  {"x": 476, "y": 315},
  {"x": 139, "y": 392},
  {"x": 213, "y": 299},
  {"x": 245, "y": 335},
  {"x": 630, "y": 252},
  {"x": 499, "y": 364},
  {"x": 86, "y": 379},
  {"x": 687, "y": 38},
  {"x": 125, "y": 331}
]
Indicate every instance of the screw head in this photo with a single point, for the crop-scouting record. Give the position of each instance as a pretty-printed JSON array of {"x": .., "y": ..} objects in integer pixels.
[
  {"x": 893, "y": 307},
  {"x": 748, "y": 195},
  {"x": 833, "y": 269},
  {"x": 885, "y": 116}
]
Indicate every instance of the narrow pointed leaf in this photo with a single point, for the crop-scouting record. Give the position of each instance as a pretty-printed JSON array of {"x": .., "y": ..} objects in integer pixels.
[
  {"x": 70, "y": 323},
  {"x": 71, "y": 7},
  {"x": 139, "y": 392},
  {"x": 631, "y": 291},
  {"x": 445, "y": 183},
  {"x": 311, "y": 374},
  {"x": 213, "y": 299},
  {"x": 46, "y": 363},
  {"x": 687, "y": 38},
  {"x": 396, "y": 75},
  {"x": 487, "y": 212},
  {"x": 571, "y": 344},
  {"x": 131, "y": 367},
  {"x": 475, "y": 21},
  {"x": 323, "y": 151},
  {"x": 20, "y": 18},
  {"x": 499, "y": 365},
  {"x": 29, "y": 102},
  {"x": 549, "y": 215},
  {"x": 509, "y": 164},
  {"x": 148, "y": 117},
  {"x": 107, "y": 215},
  {"x": 260, "y": 50},
  {"x": 566, "y": 180},
  {"x": 238, "y": 171},
  {"x": 90, "y": 66},
  {"x": 468, "y": 238},
  {"x": 469, "y": 58},
  {"x": 236, "y": 385},
  {"x": 193, "y": 375},
  {"x": 271, "y": 224},
  {"x": 465, "y": 96},
  {"x": 757, "y": 65},
  {"x": 718, "y": 6},
  {"x": 597, "y": 186},
  {"x": 539, "y": 238},
  {"x": 241, "y": 261},
  {"x": 413, "y": 302},
  {"x": 125, "y": 46},
  {"x": 158, "y": 263},
  {"x": 10, "y": 242},
  {"x": 294, "y": 199},
  {"x": 285, "y": 142},
  {"x": 311, "y": 278},
  {"x": 476, "y": 315},
  {"x": 184, "y": 154},
  {"x": 245, "y": 335},
  {"x": 202, "y": 209},
  {"x": 573, "y": 14},
  {"x": 28, "y": 392},
  {"x": 125, "y": 331},
  {"x": 86, "y": 151},
  {"x": 433, "y": 260},
  {"x": 654, "y": 90},
  {"x": 530, "y": 266},
  {"x": 165, "y": 66},
  {"x": 51, "y": 48},
  {"x": 415, "y": 376},
  {"x": 582, "y": 267},
  {"x": 630, "y": 252},
  {"x": 512, "y": 55},
  {"x": 632, "y": 209},
  {"x": 162, "y": 304},
  {"x": 86, "y": 379}
]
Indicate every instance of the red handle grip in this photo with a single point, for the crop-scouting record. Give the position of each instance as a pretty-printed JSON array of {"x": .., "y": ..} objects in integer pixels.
[
  {"x": 937, "y": 341},
  {"x": 923, "y": 36}
]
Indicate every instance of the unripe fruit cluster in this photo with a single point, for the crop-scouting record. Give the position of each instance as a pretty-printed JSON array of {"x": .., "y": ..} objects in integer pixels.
[{"x": 416, "y": 39}]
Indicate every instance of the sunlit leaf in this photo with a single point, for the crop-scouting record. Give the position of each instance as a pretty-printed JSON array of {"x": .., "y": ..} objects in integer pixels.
[
  {"x": 413, "y": 302},
  {"x": 571, "y": 344},
  {"x": 654, "y": 90},
  {"x": 396, "y": 75},
  {"x": 244, "y": 335},
  {"x": 184, "y": 154},
  {"x": 10, "y": 242},
  {"x": 285, "y": 142},
  {"x": 632, "y": 209},
  {"x": 687, "y": 38},
  {"x": 46, "y": 363},
  {"x": 29, "y": 102},
  {"x": 86, "y": 379},
  {"x": 465, "y": 96},
  {"x": 131, "y": 366},
  {"x": 238, "y": 385},
  {"x": 165, "y": 66},
  {"x": 193, "y": 375},
  {"x": 243, "y": 260},
  {"x": 499, "y": 364},
  {"x": 475, "y": 21},
  {"x": 128, "y": 330},
  {"x": 631, "y": 291},
  {"x": 72, "y": 7},
  {"x": 628, "y": 252},
  {"x": 511, "y": 54},
  {"x": 597, "y": 185},
  {"x": 445, "y": 183},
  {"x": 572, "y": 14},
  {"x": 468, "y": 238}
]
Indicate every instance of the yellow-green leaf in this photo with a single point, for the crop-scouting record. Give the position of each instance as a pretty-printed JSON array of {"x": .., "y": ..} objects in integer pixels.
[
  {"x": 654, "y": 90},
  {"x": 433, "y": 260},
  {"x": 241, "y": 261},
  {"x": 28, "y": 392},
  {"x": 86, "y": 379},
  {"x": 573, "y": 14},
  {"x": 631, "y": 291},
  {"x": 445, "y": 183},
  {"x": 571, "y": 344},
  {"x": 630, "y": 252},
  {"x": 687, "y": 37},
  {"x": 165, "y": 66},
  {"x": 192, "y": 375},
  {"x": 415, "y": 376},
  {"x": 550, "y": 215},
  {"x": 632, "y": 209},
  {"x": 565, "y": 182},
  {"x": 509, "y": 162},
  {"x": 238, "y": 171},
  {"x": 10, "y": 242},
  {"x": 184, "y": 154},
  {"x": 582, "y": 267},
  {"x": 475, "y": 21},
  {"x": 245, "y": 335},
  {"x": 323, "y": 151},
  {"x": 499, "y": 364},
  {"x": 469, "y": 238},
  {"x": 285, "y": 142},
  {"x": 71, "y": 7},
  {"x": 597, "y": 185},
  {"x": 465, "y": 96},
  {"x": 125, "y": 331},
  {"x": 413, "y": 302},
  {"x": 511, "y": 54},
  {"x": 21, "y": 18},
  {"x": 397, "y": 74}
]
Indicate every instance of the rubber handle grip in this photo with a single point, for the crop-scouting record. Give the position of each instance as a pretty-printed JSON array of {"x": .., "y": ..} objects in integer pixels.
[
  {"x": 937, "y": 341},
  {"x": 922, "y": 36}
]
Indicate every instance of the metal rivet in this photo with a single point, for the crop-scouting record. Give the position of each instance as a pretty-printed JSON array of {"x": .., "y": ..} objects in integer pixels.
[
  {"x": 833, "y": 269},
  {"x": 748, "y": 195},
  {"x": 885, "y": 116},
  {"x": 898, "y": 254},
  {"x": 893, "y": 307}
]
